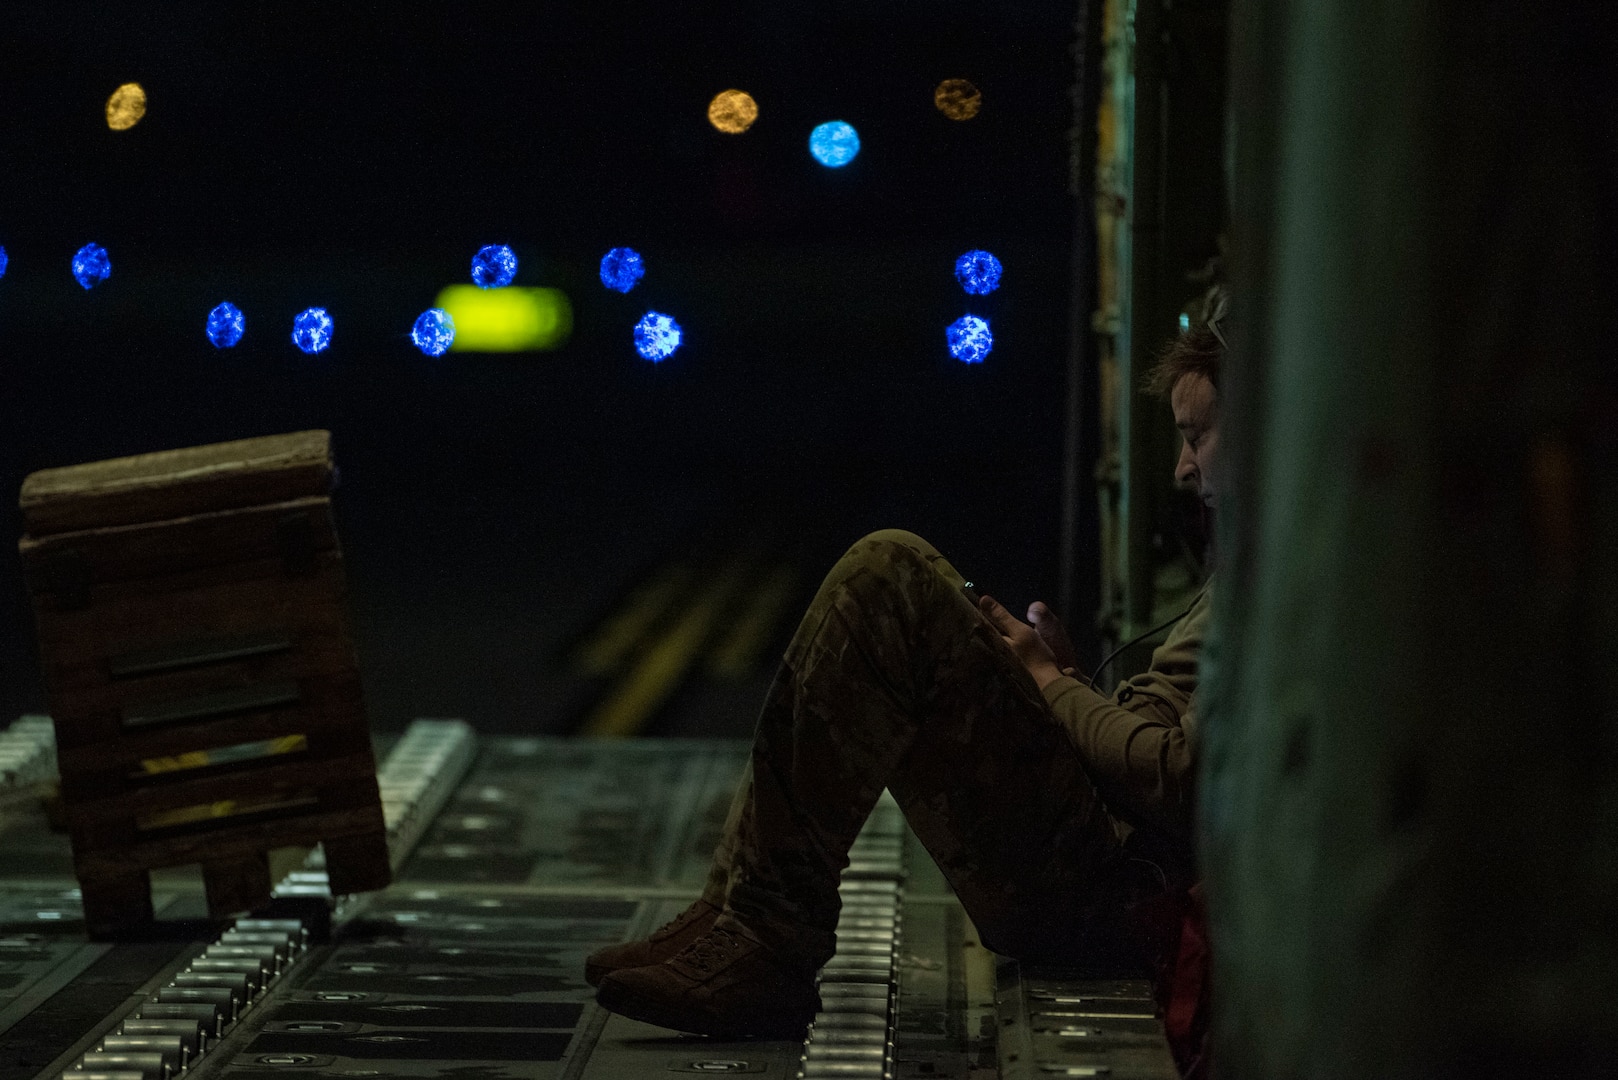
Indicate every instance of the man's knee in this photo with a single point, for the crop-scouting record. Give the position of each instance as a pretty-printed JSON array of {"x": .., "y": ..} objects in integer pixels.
[
  {"x": 902, "y": 538},
  {"x": 886, "y": 549},
  {"x": 889, "y": 575}
]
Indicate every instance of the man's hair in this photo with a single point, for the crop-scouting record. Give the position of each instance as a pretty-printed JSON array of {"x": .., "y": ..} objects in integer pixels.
[{"x": 1196, "y": 351}]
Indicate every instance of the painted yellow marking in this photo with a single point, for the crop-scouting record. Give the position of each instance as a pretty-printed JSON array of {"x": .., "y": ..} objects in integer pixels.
[
  {"x": 609, "y": 648},
  {"x": 224, "y": 808},
  {"x": 737, "y": 654},
  {"x": 186, "y": 815},
  {"x": 194, "y": 759},
  {"x": 224, "y": 755},
  {"x": 625, "y": 710}
]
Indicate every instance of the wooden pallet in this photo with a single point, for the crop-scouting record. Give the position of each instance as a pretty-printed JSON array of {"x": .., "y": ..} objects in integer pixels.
[{"x": 201, "y": 674}]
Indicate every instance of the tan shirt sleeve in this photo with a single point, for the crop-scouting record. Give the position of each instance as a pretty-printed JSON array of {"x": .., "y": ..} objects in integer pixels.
[{"x": 1139, "y": 745}]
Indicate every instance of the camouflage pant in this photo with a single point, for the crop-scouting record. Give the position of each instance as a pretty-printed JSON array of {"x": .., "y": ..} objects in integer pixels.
[{"x": 894, "y": 680}]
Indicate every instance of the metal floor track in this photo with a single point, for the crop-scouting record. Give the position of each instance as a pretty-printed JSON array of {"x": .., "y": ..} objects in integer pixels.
[{"x": 515, "y": 858}]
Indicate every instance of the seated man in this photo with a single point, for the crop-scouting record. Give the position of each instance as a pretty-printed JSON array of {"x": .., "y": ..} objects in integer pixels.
[{"x": 1053, "y": 811}]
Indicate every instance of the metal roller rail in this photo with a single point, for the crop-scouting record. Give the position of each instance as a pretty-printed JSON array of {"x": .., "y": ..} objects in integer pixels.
[
  {"x": 419, "y": 775},
  {"x": 27, "y": 754},
  {"x": 853, "y": 1034},
  {"x": 174, "y": 1028}
]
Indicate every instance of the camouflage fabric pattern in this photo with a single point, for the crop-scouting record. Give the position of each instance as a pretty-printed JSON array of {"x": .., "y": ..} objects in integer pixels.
[{"x": 895, "y": 680}]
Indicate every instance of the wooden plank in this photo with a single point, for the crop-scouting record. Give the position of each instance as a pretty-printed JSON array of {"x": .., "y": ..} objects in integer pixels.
[
  {"x": 114, "y": 898},
  {"x": 78, "y": 646},
  {"x": 358, "y": 863},
  {"x": 93, "y": 557},
  {"x": 186, "y": 580},
  {"x": 327, "y": 700},
  {"x": 226, "y": 836},
  {"x": 332, "y": 714},
  {"x": 177, "y": 483},
  {"x": 181, "y": 850},
  {"x": 208, "y": 652},
  {"x": 209, "y": 705},
  {"x": 210, "y": 799},
  {"x": 105, "y": 771},
  {"x": 327, "y": 653},
  {"x": 117, "y": 811},
  {"x": 236, "y": 883}
]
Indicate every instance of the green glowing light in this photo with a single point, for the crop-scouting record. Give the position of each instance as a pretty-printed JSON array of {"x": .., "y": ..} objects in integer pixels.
[{"x": 512, "y": 319}]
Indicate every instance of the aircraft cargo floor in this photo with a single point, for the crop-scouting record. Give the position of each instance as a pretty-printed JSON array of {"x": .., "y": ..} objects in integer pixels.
[{"x": 516, "y": 858}]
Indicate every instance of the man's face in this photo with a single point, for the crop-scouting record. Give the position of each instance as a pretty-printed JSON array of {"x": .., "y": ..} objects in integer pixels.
[{"x": 1196, "y": 414}]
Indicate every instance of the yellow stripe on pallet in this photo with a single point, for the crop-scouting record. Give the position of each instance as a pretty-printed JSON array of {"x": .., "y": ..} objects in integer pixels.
[
  {"x": 186, "y": 815},
  {"x": 194, "y": 759},
  {"x": 225, "y": 808},
  {"x": 224, "y": 755}
]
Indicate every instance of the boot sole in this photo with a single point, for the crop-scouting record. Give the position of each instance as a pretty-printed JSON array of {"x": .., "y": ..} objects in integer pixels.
[{"x": 624, "y": 1003}]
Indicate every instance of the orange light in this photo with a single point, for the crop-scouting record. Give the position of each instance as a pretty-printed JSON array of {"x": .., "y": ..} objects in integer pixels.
[
  {"x": 126, "y": 106},
  {"x": 957, "y": 99},
  {"x": 732, "y": 111}
]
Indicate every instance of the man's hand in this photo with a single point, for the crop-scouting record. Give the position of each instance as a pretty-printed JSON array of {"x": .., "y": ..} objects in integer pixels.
[
  {"x": 1030, "y": 646},
  {"x": 1050, "y": 628}
]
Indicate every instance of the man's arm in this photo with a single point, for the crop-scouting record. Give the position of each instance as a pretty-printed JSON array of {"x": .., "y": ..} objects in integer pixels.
[
  {"x": 1137, "y": 747},
  {"x": 1139, "y": 758}
]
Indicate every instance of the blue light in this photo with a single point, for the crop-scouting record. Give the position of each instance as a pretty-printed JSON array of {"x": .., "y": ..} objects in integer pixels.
[
  {"x": 1185, "y": 323},
  {"x": 434, "y": 331},
  {"x": 834, "y": 144},
  {"x": 4, "y": 261},
  {"x": 91, "y": 265},
  {"x": 311, "y": 330},
  {"x": 969, "y": 339},
  {"x": 226, "y": 325},
  {"x": 657, "y": 336},
  {"x": 494, "y": 266},
  {"x": 978, "y": 272},
  {"x": 622, "y": 269}
]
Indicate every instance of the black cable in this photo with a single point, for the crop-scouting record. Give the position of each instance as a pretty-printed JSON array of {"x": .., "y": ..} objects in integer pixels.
[{"x": 1138, "y": 638}]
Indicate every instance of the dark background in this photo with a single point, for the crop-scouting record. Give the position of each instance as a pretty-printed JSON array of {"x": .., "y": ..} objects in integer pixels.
[{"x": 495, "y": 508}]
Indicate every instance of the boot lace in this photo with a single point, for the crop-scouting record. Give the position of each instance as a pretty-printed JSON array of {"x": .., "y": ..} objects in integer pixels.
[
  {"x": 710, "y": 950},
  {"x": 678, "y": 921}
]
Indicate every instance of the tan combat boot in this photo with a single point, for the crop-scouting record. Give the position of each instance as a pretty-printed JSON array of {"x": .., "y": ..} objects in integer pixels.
[
  {"x": 728, "y": 983},
  {"x": 664, "y": 942}
]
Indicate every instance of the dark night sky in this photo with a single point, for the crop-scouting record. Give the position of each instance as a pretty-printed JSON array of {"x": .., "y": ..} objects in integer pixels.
[
  {"x": 290, "y": 126},
  {"x": 355, "y": 157}
]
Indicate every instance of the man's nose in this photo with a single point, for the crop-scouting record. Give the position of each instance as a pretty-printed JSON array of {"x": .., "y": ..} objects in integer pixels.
[{"x": 1185, "y": 470}]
